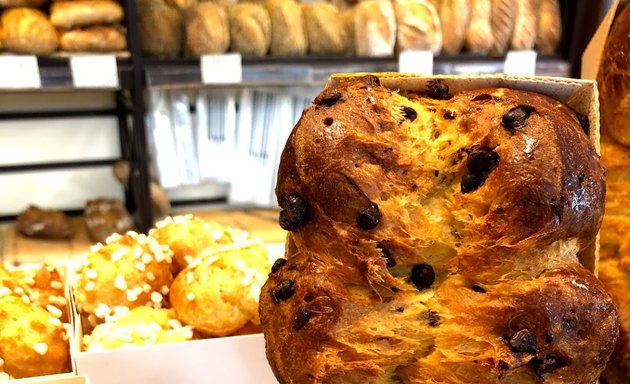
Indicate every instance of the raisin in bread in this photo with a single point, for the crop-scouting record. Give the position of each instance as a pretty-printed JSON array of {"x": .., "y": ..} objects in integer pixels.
[{"x": 434, "y": 238}]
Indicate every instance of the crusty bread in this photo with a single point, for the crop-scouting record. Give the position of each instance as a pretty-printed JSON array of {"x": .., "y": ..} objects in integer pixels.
[
  {"x": 69, "y": 14},
  {"x": 44, "y": 223},
  {"x": 479, "y": 34},
  {"x": 374, "y": 28},
  {"x": 433, "y": 238},
  {"x": 454, "y": 17},
  {"x": 549, "y": 29},
  {"x": 207, "y": 29},
  {"x": 613, "y": 80},
  {"x": 502, "y": 23},
  {"x": 99, "y": 38},
  {"x": 250, "y": 29},
  {"x": 288, "y": 33},
  {"x": 181, "y": 4},
  {"x": 325, "y": 29},
  {"x": 161, "y": 28},
  {"x": 417, "y": 26},
  {"x": 525, "y": 25},
  {"x": 22, "y": 3},
  {"x": 28, "y": 31}
]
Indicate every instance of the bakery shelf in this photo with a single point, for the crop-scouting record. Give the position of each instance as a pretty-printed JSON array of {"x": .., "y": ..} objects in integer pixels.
[{"x": 269, "y": 71}]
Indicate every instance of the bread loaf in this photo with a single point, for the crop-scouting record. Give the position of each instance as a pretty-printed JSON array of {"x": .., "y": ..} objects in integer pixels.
[
  {"x": 181, "y": 4},
  {"x": 324, "y": 29},
  {"x": 417, "y": 26},
  {"x": 431, "y": 242},
  {"x": 22, "y": 3},
  {"x": 94, "y": 39},
  {"x": 613, "y": 80},
  {"x": 454, "y": 17},
  {"x": 479, "y": 34},
  {"x": 43, "y": 223},
  {"x": 525, "y": 24},
  {"x": 104, "y": 217},
  {"x": 70, "y": 14},
  {"x": 374, "y": 28},
  {"x": 347, "y": 17},
  {"x": 502, "y": 23},
  {"x": 549, "y": 30},
  {"x": 161, "y": 28},
  {"x": 288, "y": 33},
  {"x": 250, "y": 29},
  {"x": 28, "y": 31},
  {"x": 207, "y": 30}
]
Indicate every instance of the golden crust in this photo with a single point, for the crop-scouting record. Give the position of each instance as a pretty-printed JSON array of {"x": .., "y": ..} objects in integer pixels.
[
  {"x": 46, "y": 287},
  {"x": 70, "y": 14},
  {"x": 435, "y": 241},
  {"x": 30, "y": 344},
  {"x": 218, "y": 294},
  {"x": 207, "y": 29},
  {"x": 100, "y": 39}
]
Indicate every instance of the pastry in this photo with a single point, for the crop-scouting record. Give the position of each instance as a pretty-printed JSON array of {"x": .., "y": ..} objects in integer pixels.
[
  {"x": 324, "y": 29},
  {"x": 502, "y": 24},
  {"x": 189, "y": 237},
  {"x": 417, "y": 26},
  {"x": 30, "y": 343},
  {"x": 207, "y": 30},
  {"x": 42, "y": 223},
  {"x": 288, "y": 33},
  {"x": 525, "y": 24},
  {"x": 28, "y": 31},
  {"x": 22, "y": 3},
  {"x": 94, "y": 39},
  {"x": 70, "y": 14},
  {"x": 104, "y": 217},
  {"x": 218, "y": 294},
  {"x": 136, "y": 327},
  {"x": 161, "y": 28},
  {"x": 434, "y": 238},
  {"x": 45, "y": 287},
  {"x": 454, "y": 18},
  {"x": 130, "y": 270},
  {"x": 479, "y": 34},
  {"x": 613, "y": 80},
  {"x": 549, "y": 30},
  {"x": 374, "y": 28},
  {"x": 250, "y": 29}
]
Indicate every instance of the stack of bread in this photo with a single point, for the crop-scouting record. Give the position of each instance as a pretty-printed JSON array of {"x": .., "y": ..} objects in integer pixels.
[
  {"x": 365, "y": 28},
  {"x": 187, "y": 279},
  {"x": 34, "y": 329},
  {"x": 73, "y": 26},
  {"x": 614, "y": 268}
]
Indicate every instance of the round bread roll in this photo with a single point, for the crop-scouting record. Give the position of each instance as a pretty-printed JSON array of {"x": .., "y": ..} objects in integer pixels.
[
  {"x": 130, "y": 270},
  {"x": 207, "y": 29},
  {"x": 140, "y": 326},
  {"x": 98, "y": 38},
  {"x": 454, "y": 17},
  {"x": 250, "y": 29},
  {"x": 190, "y": 237},
  {"x": 30, "y": 343},
  {"x": 70, "y": 14},
  {"x": 28, "y": 31},
  {"x": 288, "y": 33},
  {"x": 44, "y": 223},
  {"x": 104, "y": 217},
  {"x": 325, "y": 29},
  {"x": 218, "y": 294},
  {"x": 45, "y": 288},
  {"x": 433, "y": 238},
  {"x": 161, "y": 28},
  {"x": 374, "y": 28},
  {"x": 613, "y": 80},
  {"x": 417, "y": 26},
  {"x": 479, "y": 34}
]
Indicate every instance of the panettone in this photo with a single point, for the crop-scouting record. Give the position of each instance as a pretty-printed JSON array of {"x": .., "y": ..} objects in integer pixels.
[{"x": 433, "y": 238}]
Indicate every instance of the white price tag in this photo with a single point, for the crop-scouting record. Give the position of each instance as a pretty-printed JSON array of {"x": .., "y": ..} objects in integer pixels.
[
  {"x": 221, "y": 69},
  {"x": 99, "y": 71},
  {"x": 19, "y": 72},
  {"x": 520, "y": 63},
  {"x": 420, "y": 62}
]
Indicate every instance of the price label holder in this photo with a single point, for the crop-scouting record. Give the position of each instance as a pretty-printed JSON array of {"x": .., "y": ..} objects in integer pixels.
[
  {"x": 221, "y": 69},
  {"x": 420, "y": 62},
  {"x": 520, "y": 63},
  {"x": 98, "y": 71},
  {"x": 19, "y": 72}
]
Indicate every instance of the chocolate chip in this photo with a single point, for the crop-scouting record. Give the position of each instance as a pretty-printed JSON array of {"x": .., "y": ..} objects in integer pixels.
[
  {"x": 546, "y": 364},
  {"x": 516, "y": 118},
  {"x": 328, "y": 100},
  {"x": 369, "y": 217},
  {"x": 482, "y": 161},
  {"x": 279, "y": 263},
  {"x": 570, "y": 323},
  {"x": 449, "y": 115},
  {"x": 400, "y": 309},
  {"x": 439, "y": 91},
  {"x": 390, "y": 261},
  {"x": 548, "y": 337},
  {"x": 328, "y": 121},
  {"x": 302, "y": 317},
  {"x": 295, "y": 212},
  {"x": 409, "y": 113},
  {"x": 472, "y": 182},
  {"x": 423, "y": 276},
  {"x": 478, "y": 289},
  {"x": 283, "y": 291},
  {"x": 432, "y": 318},
  {"x": 523, "y": 342},
  {"x": 584, "y": 123}
]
